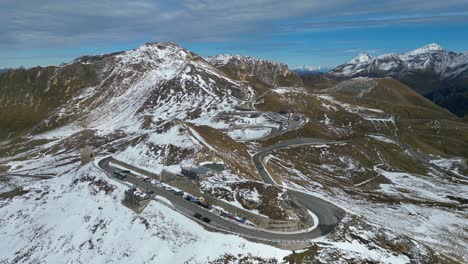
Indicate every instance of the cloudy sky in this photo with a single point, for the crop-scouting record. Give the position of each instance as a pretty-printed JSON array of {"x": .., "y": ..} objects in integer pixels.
[{"x": 301, "y": 32}]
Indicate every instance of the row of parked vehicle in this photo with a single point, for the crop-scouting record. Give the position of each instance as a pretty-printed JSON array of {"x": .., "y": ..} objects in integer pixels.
[{"x": 122, "y": 174}]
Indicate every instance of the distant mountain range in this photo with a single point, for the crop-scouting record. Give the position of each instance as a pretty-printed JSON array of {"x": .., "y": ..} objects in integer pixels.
[
  {"x": 306, "y": 70},
  {"x": 437, "y": 74}
]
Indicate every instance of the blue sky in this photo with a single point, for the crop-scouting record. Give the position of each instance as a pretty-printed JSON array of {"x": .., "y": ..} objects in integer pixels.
[{"x": 297, "y": 32}]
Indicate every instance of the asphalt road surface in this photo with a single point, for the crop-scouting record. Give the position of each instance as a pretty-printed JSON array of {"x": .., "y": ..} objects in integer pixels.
[
  {"x": 45, "y": 176},
  {"x": 329, "y": 215}
]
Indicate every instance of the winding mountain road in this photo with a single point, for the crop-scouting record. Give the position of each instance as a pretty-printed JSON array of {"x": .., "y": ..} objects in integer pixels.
[{"x": 328, "y": 214}]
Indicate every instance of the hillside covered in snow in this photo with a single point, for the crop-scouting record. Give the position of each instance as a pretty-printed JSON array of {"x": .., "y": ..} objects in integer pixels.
[{"x": 392, "y": 161}]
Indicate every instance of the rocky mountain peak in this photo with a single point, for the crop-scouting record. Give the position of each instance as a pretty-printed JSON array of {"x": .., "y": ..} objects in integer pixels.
[
  {"x": 244, "y": 68},
  {"x": 223, "y": 59},
  {"x": 430, "y": 48},
  {"x": 361, "y": 57},
  {"x": 432, "y": 71}
]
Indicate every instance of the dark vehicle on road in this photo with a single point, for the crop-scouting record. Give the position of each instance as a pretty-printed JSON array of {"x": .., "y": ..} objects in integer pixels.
[
  {"x": 206, "y": 220},
  {"x": 147, "y": 179},
  {"x": 197, "y": 215},
  {"x": 179, "y": 193},
  {"x": 204, "y": 205},
  {"x": 125, "y": 171},
  {"x": 119, "y": 175}
]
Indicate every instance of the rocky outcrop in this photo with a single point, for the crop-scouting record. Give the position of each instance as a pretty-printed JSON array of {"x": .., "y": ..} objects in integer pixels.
[{"x": 246, "y": 68}]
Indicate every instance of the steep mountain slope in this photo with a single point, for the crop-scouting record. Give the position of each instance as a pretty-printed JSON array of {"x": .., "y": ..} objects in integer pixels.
[
  {"x": 130, "y": 95},
  {"x": 255, "y": 70},
  {"x": 439, "y": 75},
  {"x": 28, "y": 96},
  {"x": 316, "y": 80},
  {"x": 160, "y": 107}
]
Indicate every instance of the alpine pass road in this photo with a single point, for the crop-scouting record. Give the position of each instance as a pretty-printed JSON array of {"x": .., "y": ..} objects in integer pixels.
[{"x": 328, "y": 214}]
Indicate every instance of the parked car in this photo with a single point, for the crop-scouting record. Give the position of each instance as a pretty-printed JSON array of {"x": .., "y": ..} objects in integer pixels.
[
  {"x": 147, "y": 179},
  {"x": 206, "y": 220},
  {"x": 179, "y": 193},
  {"x": 125, "y": 171},
  {"x": 120, "y": 175},
  {"x": 204, "y": 205},
  {"x": 242, "y": 220},
  {"x": 197, "y": 215}
]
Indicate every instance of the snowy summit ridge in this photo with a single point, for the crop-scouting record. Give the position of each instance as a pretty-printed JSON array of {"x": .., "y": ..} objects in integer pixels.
[
  {"x": 430, "y": 48},
  {"x": 445, "y": 73},
  {"x": 361, "y": 57}
]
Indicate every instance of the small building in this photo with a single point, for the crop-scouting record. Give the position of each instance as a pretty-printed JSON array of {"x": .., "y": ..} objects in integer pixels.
[
  {"x": 196, "y": 173},
  {"x": 214, "y": 166},
  {"x": 86, "y": 154},
  {"x": 136, "y": 199}
]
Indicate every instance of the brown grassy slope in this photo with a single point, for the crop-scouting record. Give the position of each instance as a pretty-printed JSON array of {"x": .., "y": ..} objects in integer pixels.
[
  {"x": 419, "y": 122},
  {"x": 314, "y": 82},
  {"x": 28, "y": 96},
  {"x": 395, "y": 98}
]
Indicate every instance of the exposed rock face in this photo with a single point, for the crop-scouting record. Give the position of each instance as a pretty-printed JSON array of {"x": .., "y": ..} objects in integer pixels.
[
  {"x": 86, "y": 154},
  {"x": 439, "y": 75},
  {"x": 243, "y": 68}
]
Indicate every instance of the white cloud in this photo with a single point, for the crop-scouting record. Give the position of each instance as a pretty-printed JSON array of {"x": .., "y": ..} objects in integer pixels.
[{"x": 70, "y": 24}]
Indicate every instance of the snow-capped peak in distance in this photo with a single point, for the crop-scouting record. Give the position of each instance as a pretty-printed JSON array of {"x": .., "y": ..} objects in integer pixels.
[
  {"x": 361, "y": 57},
  {"x": 312, "y": 69},
  {"x": 430, "y": 70},
  {"x": 430, "y": 48}
]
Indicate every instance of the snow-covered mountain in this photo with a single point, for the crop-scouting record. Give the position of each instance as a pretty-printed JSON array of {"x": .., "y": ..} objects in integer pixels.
[
  {"x": 119, "y": 90},
  {"x": 432, "y": 71},
  {"x": 307, "y": 70},
  {"x": 160, "y": 107},
  {"x": 269, "y": 72}
]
